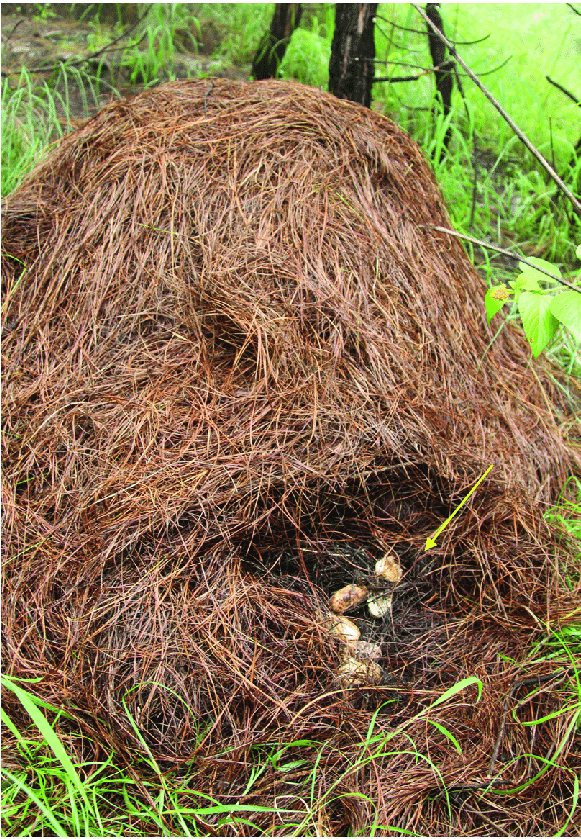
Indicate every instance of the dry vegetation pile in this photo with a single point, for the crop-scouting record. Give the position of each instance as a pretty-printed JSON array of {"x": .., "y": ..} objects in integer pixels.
[{"x": 240, "y": 366}]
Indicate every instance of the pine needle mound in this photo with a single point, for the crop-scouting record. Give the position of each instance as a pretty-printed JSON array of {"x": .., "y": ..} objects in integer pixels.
[{"x": 239, "y": 366}]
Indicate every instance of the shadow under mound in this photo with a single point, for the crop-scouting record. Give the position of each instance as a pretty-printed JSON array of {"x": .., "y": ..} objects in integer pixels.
[{"x": 241, "y": 365}]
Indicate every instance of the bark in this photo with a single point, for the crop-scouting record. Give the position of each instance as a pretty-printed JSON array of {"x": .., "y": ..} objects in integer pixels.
[
  {"x": 351, "y": 68},
  {"x": 443, "y": 67},
  {"x": 273, "y": 44}
]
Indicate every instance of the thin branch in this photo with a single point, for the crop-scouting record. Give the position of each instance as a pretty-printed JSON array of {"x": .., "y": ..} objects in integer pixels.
[
  {"x": 402, "y": 78},
  {"x": 563, "y": 90},
  {"x": 421, "y": 32},
  {"x": 430, "y": 69},
  {"x": 497, "y": 68},
  {"x": 520, "y": 134},
  {"x": 395, "y": 63},
  {"x": 504, "y": 252}
]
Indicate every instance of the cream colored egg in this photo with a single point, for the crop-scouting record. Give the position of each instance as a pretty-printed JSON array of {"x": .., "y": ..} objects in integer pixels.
[
  {"x": 389, "y": 569},
  {"x": 347, "y": 597},
  {"x": 344, "y": 629},
  {"x": 379, "y": 605},
  {"x": 354, "y": 672}
]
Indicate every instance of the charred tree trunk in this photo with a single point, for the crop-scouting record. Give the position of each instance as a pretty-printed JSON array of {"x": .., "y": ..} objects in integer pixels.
[
  {"x": 351, "y": 68},
  {"x": 272, "y": 47},
  {"x": 443, "y": 66}
]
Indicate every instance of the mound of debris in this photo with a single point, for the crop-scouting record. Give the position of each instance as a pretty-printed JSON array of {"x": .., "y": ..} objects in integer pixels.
[{"x": 240, "y": 367}]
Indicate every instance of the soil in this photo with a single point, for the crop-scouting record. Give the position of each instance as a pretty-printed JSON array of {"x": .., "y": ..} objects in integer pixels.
[{"x": 43, "y": 46}]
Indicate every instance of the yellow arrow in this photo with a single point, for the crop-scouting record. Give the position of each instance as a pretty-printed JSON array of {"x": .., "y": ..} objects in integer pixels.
[{"x": 431, "y": 541}]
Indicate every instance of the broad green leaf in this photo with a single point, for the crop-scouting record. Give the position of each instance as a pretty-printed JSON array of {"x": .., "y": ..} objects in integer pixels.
[
  {"x": 578, "y": 251},
  {"x": 529, "y": 283},
  {"x": 530, "y": 273},
  {"x": 494, "y": 300},
  {"x": 538, "y": 322},
  {"x": 566, "y": 307}
]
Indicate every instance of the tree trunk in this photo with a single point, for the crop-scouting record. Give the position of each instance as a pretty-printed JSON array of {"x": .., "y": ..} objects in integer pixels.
[
  {"x": 351, "y": 68},
  {"x": 443, "y": 67},
  {"x": 272, "y": 47}
]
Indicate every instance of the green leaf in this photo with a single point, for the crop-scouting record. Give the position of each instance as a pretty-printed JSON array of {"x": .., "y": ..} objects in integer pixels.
[
  {"x": 494, "y": 300},
  {"x": 538, "y": 322},
  {"x": 566, "y": 307},
  {"x": 578, "y": 251},
  {"x": 528, "y": 283},
  {"x": 44, "y": 809},
  {"x": 293, "y": 764},
  {"x": 551, "y": 716},
  {"x": 459, "y": 686},
  {"x": 575, "y": 798},
  {"x": 529, "y": 273}
]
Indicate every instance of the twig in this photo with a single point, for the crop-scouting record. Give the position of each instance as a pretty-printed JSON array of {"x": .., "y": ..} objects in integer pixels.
[
  {"x": 14, "y": 28},
  {"x": 504, "y": 252},
  {"x": 426, "y": 69},
  {"x": 421, "y": 32},
  {"x": 563, "y": 90},
  {"x": 402, "y": 78},
  {"x": 48, "y": 67},
  {"x": 394, "y": 63},
  {"x": 519, "y": 133},
  {"x": 426, "y": 72}
]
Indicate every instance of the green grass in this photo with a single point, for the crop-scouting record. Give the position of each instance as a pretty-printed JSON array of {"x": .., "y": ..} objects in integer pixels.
[
  {"x": 535, "y": 41},
  {"x": 516, "y": 204},
  {"x": 48, "y": 790},
  {"x": 151, "y": 56},
  {"x": 29, "y": 121},
  {"x": 307, "y": 59},
  {"x": 307, "y": 56},
  {"x": 566, "y": 515},
  {"x": 35, "y": 114},
  {"x": 51, "y": 791}
]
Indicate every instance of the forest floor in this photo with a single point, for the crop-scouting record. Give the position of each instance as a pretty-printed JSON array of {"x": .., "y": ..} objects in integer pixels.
[{"x": 41, "y": 46}]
